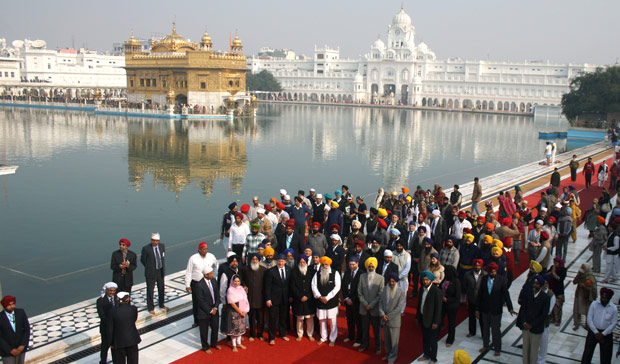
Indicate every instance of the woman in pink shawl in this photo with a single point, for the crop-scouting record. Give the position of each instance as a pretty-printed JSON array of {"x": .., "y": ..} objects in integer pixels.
[
  {"x": 239, "y": 306},
  {"x": 506, "y": 206}
]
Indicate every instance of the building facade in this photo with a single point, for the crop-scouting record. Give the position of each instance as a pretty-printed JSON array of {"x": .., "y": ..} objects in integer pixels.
[
  {"x": 399, "y": 71},
  {"x": 193, "y": 74}
]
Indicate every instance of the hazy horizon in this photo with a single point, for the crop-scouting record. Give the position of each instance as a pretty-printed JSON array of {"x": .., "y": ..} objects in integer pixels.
[{"x": 558, "y": 31}]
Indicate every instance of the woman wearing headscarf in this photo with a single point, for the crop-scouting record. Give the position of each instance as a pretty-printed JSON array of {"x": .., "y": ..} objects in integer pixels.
[
  {"x": 518, "y": 196},
  {"x": 239, "y": 306},
  {"x": 451, "y": 290},
  {"x": 585, "y": 293},
  {"x": 436, "y": 268},
  {"x": 604, "y": 203},
  {"x": 558, "y": 274}
]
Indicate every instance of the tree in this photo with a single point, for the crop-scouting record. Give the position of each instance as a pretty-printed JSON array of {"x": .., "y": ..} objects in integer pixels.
[
  {"x": 262, "y": 81},
  {"x": 593, "y": 93}
]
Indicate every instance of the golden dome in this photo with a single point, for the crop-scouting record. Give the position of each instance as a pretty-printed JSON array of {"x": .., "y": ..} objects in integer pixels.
[
  {"x": 173, "y": 43},
  {"x": 237, "y": 42},
  {"x": 206, "y": 39},
  {"x": 133, "y": 41}
]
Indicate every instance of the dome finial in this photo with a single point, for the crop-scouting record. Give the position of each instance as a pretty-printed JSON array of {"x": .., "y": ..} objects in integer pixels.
[
  {"x": 174, "y": 27},
  {"x": 402, "y": 5}
]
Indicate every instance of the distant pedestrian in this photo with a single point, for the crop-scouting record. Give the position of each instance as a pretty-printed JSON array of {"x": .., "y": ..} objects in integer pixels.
[
  {"x": 602, "y": 320},
  {"x": 14, "y": 332},
  {"x": 588, "y": 171},
  {"x": 603, "y": 174},
  {"x": 476, "y": 197},
  {"x": 555, "y": 178},
  {"x": 548, "y": 151},
  {"x": 574, "y": 165}
]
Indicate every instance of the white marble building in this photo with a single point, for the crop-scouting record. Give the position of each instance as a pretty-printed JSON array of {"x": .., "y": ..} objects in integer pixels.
[{"x": 399, "y": 71}]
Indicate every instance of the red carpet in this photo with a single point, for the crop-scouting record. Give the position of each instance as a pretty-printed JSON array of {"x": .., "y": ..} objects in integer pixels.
[{"x": 410, "y": 337}]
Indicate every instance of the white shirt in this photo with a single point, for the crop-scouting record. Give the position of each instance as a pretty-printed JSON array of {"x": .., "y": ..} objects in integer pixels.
[
  {"x": 332, "y": 293},
  {"x": 274, "y": 220},
  {"x": 424, "y": 295},
  {"x": 548, "y": 149},
  {"x": 457, "y": 228},
  {"x": 602, "y": 319},
  {"x": 195, "y": 264},
  {"x": 238, "y": 234}
]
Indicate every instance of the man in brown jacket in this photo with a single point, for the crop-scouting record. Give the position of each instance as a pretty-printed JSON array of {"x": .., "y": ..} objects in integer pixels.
[
  {"x": 476, "y": 197},
  {"x": 253, "y": 275}
]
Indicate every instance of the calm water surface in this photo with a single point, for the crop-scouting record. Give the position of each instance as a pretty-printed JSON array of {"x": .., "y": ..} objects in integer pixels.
[{"x": 85, "y": 181}]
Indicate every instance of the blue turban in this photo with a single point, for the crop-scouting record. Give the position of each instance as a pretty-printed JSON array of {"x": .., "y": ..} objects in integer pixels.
[
  {"x": 394, "y": 231},
  {"x": 423, "y": 228},
  {"x": 252, "y": 255},
  {"x": 281, "y": 257},
  {"x": 428, "y": 240},
  {"x": 435, "y": 255},
  {"x": 540, "y": 279},
  {"x": 232, "y": 205},
  {"x": 411, "y": 222},
  {"x": 302, "y": 257},
  {"x": 427, "y": 274},
  {"x": 547, "y": 278},
  {"x": 328, "y": 196},
  {"x": 265, "y": 241},
  {"x": 370, "y": 237},
  {"x": 308, "y": 247},
  {"x": 354, "y": 258},
  {"x": 286, "y": 251},
  {"x": 338, "y": 192},
  {"x": 261, "y": 245},
  {"x": 378, "y": 239},
  {"x": 616, "y": 211},
  {"x": 402, "y": 195},
  {"x": 392, "y": 275},
  {"x": 568, "y": 209}
]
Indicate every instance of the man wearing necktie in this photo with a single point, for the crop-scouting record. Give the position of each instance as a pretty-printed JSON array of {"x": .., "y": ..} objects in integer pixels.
[
  {"x": 14, "y": 332},
  {"x": 276, "y": 298},
  {"x": 105, "y": 303},
  {"x": 153, "y": 260}
]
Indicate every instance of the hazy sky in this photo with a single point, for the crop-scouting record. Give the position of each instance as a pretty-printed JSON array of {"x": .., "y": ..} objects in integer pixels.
[{"x": 556, "y": 30}]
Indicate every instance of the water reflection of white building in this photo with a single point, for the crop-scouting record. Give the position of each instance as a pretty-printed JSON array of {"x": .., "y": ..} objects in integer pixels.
[{"x": 398, "y": 70}]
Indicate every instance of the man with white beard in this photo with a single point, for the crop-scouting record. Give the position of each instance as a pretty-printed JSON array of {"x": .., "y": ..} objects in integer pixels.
[
  {"x": 253, "y": 276},
  {"x": 301, "y": 293},
  {"x": 369, "y": 291},
  {"x": 325, "y": 288},
  {"x": 392, "y": 299},
  {"x": 403, "y": 260}
]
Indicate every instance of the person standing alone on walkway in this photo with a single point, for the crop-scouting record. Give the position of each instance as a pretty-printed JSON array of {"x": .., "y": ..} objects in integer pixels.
[
  {"x": 574, "y": 165},
  {"x": 588, "y": 171},
  {"x": 476, "y": 197}
]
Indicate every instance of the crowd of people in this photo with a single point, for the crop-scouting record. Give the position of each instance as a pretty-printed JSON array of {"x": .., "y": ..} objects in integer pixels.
[{"x": 292, "y": 263}]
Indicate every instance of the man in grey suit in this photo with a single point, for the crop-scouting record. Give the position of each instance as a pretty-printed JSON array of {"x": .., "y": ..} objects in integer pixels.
[
  {"x": 153, "y": 259},
  {"x": 369, "y": 292},
  {"x": 392, "y": 299}
]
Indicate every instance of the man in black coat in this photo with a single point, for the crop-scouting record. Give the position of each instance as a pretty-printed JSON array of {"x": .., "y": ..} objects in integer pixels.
[
  {"x": 388, "y": 266},
  {"x": 277, "y": 298},
  {"x": 429, "y": 315},
  {"x": 531, "y": 319},
  {"x": 14, "y": 332},
  {"x": 105, "y": 303},
  {"x": 123, "y": 263},
  {"x": 492, "y": 295},
  {"x": 376, "y": 250},
  {"x": 291, "y": 239},
  {"x": 208, "y": 300},
  {"x": 153, "y": 260},
  {"x": 123, "y": 335},
  {"x": 303, "y": 300},
  {"x": 335, "y": 252},
  {"x": 351, "y": 301},
  {"x": 471, "y": 282}
]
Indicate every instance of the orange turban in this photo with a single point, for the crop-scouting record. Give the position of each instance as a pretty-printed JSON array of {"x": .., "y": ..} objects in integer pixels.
[{"x": 326, "y": 259}]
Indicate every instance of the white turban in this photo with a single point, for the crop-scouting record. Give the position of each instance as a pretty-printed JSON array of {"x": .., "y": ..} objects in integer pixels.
[
  {"x": 335, "y": 236},
  {"x": 107, "y": 286},
  {"x": 436, "y": 213},
  {"x": 312, "y": 190},
  {"x": 230, "y": 254},
  {"x": 155, "y": 236},
  {"x": 540, "y": 222},
  {"x": 319, "y": 195},
  {"x": 287, "y": 197},
  {"x": 122, "y": 295},
  {"x": 260, "y": 211},
  {"x": 207, "y": 269},
  {"x": 387, "y": 253},
  {"x": 283, "y": 191}
]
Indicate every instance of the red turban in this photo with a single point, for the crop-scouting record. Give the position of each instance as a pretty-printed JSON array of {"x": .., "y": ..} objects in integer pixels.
[
  {"x": 462, "y": 213},
  {"x": 491, "y": 266},
  {"x": 359, "y": 243},
  {"x": 317, "y": 225},
  {"x": 245, "y": 208},
  {"x": 478, "y": 261},
  {"x": 239, "y": 215},
  {"x": 7, "y": 300},
  {"x": 290, "y": 223},
  {"x": 202, "y": 245},
  {"x": 507, "y": 221},
  {"x": 544, "y": 235},
  {"x": 466, "y": 231},
  {"x": 607, "y": 291},
  {"x": 334, "y": 226},
  {"x": 490, "y": 226},
  {"x": 551, "y": 220},
  {"x": 382, "y": 224},
  {"x": 280, "y": 205},
  {"x": 481, "y": 219},
  {"x": 123, "y": 240},
  {"x": 267, "y": 208},
  {"x": 617, "y": 220},
  {"x": 423, "y": 214},
  {"x": 508, "y": 242}
]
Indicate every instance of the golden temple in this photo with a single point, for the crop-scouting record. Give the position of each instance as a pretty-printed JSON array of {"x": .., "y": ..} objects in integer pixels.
[{"x": 187, "y": 72}]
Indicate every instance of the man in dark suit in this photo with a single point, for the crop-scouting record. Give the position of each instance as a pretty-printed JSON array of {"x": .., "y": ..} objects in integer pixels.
[
  {"x": 429, "y": 315},
  {"x": 208, "y": 300},
  {"x": 105, "y": 303},
  {"x": 276, "y": 298},
  {"x": 472, "y": 280},
  {"x": 291, "y": 239},
  {"x": 351, "y": 301},
  {"x": 531, "y": 319},
  {"x": 360, "y": 254},
  {"x": 153, "y": 260},
  {"x": 492, "y": 295},
  {"x": 123, "y": 263},
  {"x": 388, "y": 266},
  {"x": 336, "y": 252},
  {"x": 14, "y": 332},
  {"x": 123, "y": 335}
]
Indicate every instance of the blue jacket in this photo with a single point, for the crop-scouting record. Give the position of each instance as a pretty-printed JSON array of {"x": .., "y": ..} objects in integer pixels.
[{"x": 299, "y": 214}]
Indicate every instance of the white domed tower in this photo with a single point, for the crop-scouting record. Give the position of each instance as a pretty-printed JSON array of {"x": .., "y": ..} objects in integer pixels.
[{"x": 401, "y": 35}]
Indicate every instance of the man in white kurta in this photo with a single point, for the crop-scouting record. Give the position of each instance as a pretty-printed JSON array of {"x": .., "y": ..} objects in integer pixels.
[{"x": 325, "y": 288}]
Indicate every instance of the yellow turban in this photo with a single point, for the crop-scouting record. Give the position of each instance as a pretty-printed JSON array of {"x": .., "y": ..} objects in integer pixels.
[
  {"x": 334, "y": 204},
  {"x": 468, "y": 237},
  {"x": 498, "y": 243},
  {"x": 535, "y": 266},
  {"x": 409, "y": 198},
  {"x": 488, "y": 239},
  {"x": 268, "y": 251},
  {"x": 496, "y": 249},
  {"x": 372, "y": 260},
  {"x": 382, "y": 212},
  {"x": 326, "y": 259},
  {"x": 461, "y": 357}
]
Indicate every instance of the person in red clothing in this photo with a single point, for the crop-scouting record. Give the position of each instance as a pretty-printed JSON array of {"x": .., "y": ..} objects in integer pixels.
[
  {"x": 510, "y": 259},
  {"x": 588, "y": 171}
]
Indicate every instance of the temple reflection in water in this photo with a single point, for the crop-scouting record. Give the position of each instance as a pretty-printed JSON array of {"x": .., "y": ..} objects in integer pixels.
[{"x": 182, "y": 153}]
